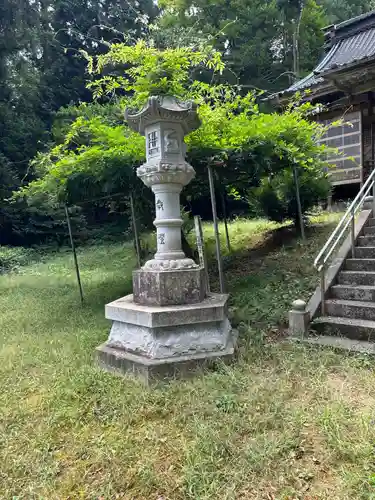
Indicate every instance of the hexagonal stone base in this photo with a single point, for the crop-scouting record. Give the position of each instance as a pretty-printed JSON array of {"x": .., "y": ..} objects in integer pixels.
[
  {"x": 164, "y": 288},
  {"x": 152, "y": 370},
  {"x": 170, "y": 341}
]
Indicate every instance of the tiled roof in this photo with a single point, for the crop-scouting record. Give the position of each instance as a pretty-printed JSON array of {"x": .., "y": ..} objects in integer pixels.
[
  {"x": 358, "y": 46},
  {"x": 307, "y": 82},
  {"x": 311, "y": 79},
  {"x": 354, "y": 20},
  {"x": 354, "y": 48}
]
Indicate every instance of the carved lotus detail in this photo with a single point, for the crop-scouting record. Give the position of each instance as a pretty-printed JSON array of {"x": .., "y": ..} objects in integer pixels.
[
  {"x": 166, "y": 173},
  {"x": 169, "y": 265}
]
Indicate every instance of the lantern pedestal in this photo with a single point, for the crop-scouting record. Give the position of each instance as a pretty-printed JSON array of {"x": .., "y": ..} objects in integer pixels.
[
  {"x": 167, "y": 288},
  {"x": 168, "y": 326},
  {"x": 167, "y": 341}
]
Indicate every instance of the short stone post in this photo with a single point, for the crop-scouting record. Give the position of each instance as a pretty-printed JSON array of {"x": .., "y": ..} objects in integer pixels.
[{"x": 299, "y": 319}]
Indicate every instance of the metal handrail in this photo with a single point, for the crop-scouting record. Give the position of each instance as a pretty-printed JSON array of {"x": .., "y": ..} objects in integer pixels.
[{"x": 347, "y": 219}]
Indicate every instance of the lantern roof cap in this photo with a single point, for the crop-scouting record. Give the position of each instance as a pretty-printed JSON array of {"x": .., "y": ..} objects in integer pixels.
[{"x": 164, "y": 108}]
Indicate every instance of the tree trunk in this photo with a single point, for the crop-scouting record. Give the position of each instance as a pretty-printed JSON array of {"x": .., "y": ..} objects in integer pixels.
[
  {"x": 296, "y": 35},
  {"x": 46, "y": 31}
]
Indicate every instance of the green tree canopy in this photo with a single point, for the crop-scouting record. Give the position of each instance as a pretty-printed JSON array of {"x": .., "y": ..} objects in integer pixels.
[
  {"x": 255, "y": 38},
  {"x": 98, "y": 154},
  {"x": 265, "y": 44},
  {"x": 338, "y": 11}
]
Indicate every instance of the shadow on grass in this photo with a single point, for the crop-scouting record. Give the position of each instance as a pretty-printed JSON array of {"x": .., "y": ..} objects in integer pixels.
[
  {"x": 106, "y": 291},
  {"x": 273, "y": 241}
]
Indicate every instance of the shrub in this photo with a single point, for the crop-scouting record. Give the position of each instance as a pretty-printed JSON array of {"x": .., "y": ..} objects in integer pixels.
[
  {"x": 12, "y": 258},
  {"x": 276, "y": 196}
]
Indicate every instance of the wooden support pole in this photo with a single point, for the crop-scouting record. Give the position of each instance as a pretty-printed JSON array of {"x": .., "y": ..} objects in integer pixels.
[
  {"x": 74, "y": 253},
  {"x": 224, "y": 208},
  {"x": 216, "y": 228},
  {"x": 299, "y": 206},
  {"x": 135, "y": 231},
  {"x": 223, "y": 203},
  {"x": 201, "y": 249}
]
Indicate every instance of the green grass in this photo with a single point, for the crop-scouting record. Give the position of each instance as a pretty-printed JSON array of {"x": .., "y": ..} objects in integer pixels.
[
  {"x": 243, "y": 234},
  {"x": 11, "y": 258},
  {"x": 283, "y": 422}
]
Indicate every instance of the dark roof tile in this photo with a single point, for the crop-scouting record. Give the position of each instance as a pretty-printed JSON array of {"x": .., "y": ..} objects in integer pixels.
[
  {"x": 348, "y": 50},
  {"x": 355, "y": 20},
  {"x": 307, "y": 82},
  {"x": 356, "y": 48}
]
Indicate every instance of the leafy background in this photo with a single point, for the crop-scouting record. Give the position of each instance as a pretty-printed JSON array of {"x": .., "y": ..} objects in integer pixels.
[{"x": 67, "y": 69}]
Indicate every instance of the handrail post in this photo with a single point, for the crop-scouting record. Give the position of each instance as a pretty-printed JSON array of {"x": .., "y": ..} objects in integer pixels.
[
  {"x": 353, "y": 233},
  {"x": 322, "y": 291},
  {"x": 373, "y": 197}
]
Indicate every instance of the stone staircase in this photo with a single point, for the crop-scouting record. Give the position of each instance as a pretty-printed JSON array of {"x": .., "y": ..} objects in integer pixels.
[{"x": 350, "y": 300}]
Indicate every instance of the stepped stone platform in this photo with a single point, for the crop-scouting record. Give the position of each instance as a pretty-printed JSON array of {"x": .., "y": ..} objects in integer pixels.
[{"x": 162, "y": 342}]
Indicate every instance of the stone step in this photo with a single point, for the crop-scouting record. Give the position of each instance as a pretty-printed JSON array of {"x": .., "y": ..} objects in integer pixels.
[
  {"x": 346, "y": 292},
  {"x": 365, "y": 252},
  {"x": 356, "y": 278},
  {"x": 360, "y": 264},
  {"x": 351, "y": 309},
  {"x": 369, "y": 230},
  {"x": 347, "y": 344},
  {"x": 359, "y": 329},
  {"x": 371, "y": 222},
  {"x": 366, "y": 241}
]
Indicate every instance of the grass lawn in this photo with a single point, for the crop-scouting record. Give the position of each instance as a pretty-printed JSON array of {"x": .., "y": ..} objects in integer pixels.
[{"x": 284, "y": 422}]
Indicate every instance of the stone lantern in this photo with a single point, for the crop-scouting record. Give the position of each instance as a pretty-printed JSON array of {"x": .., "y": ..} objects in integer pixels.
[
  {"x": 168, "y": 326},
  {"x": 169, "y": 278}
]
